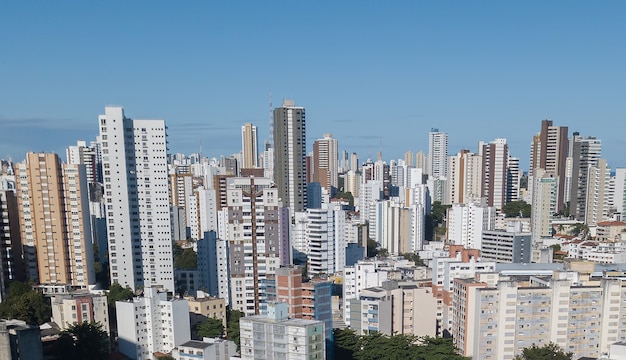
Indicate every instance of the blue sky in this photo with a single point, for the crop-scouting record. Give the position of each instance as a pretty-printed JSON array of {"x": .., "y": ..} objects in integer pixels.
[{"x": 377, "y": 75}]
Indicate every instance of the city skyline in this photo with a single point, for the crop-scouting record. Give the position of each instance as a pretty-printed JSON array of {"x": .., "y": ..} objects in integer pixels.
[{"x": 476, "y": 72}]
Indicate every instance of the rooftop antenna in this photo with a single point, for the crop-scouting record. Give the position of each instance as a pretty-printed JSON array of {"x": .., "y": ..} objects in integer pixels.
[{"x": 271, "y": 117}]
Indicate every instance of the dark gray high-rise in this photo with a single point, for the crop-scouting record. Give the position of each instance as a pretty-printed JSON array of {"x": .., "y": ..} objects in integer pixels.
[{"x": 290, "y": 155}]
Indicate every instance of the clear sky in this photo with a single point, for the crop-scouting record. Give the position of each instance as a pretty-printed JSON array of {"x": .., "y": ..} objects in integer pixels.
[{"x": 375, "y": 74}]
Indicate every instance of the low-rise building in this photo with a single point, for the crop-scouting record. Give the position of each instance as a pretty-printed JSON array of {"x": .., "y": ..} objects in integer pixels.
[
  {"x": 152, "y": 323},
  {"x": 80, "y": 306},
  {"x": 275, "y": 336},
  {"x": 207, "y": 349},
  {"x": 210, "y": 307}
]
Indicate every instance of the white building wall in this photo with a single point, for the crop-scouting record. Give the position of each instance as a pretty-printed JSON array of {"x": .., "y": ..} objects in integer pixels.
[{"x": 134, "y": 157}]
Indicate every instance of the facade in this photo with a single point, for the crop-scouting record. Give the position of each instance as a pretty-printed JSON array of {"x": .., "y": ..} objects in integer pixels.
[
  {"x": 53, "y": 202},
  {"x": 325, "y": 239},
  {"x": 207, "y": 349},
  {"x": 544, "y": 204},
  {"x": 467, "y": 222},
  {"x": 497, "y": 322},
  {"x": 249, "y": 146},
  {"x": 213, "y": 265},
  {"x": 275, "y": 336},
  {"x": 11, "y": 264},
  {"x": 549, "y": 152},
  {"x": 210, "y": 307},
  {"x": 619, "y": 192},
  {"x": 437, "y": 154},
  {"x": 78, "y": 307},
  {"x": 134, "y": 160},
  {"x": 510, "y": 246},
  {"x": 371, "y": 312},
  {"x": 151, "y": 323},
  {"x": 81, "y": 154},
  {"x": 325, "y": 168},
  {"x": 258, "y": 239},
  {"x": 465, "y": 172},
  {"x": 495, "y": 157},
  {"x": 311, "y": 300},
  {"x": 19, "y": 341},
  {"x": 289, "y": 155},
  {"x": 585, "y": 155}
]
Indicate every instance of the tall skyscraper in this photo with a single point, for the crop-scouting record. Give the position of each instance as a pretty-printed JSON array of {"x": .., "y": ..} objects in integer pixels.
[
  {"x": 549, "y": 152},
  {"x": 53, "y": 205},
  {"x": 324, "y": 168},
  {"x": 437, "y": 154},
  {"x": 249, "y": 146},
  {"x": 258, "y": 230},
  {"x": 544, "y": 196},
  {"x": 495, "y": 164},
  {"x": 290, "y": 155},
  {"x": 585, "y": 154},
  {"x": 465, "y": 174},
  {"x": 134, "y": 161},
  {"x": 86, "y": 155},
  {"x": 11, "y": 264}
]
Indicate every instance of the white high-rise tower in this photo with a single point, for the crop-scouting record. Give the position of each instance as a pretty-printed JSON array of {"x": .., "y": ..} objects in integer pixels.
[
  {"x": 135, "y": 178},
  {"x": 437, "y": 154}
]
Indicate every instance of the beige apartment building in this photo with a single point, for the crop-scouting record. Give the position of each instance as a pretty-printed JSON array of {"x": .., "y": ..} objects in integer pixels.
[
  {"x": 77, "y": 307},
  {"x": 210, "y": 307},
  {"x": 53, "y": 202},
  {"x": 496, "y": 320}
]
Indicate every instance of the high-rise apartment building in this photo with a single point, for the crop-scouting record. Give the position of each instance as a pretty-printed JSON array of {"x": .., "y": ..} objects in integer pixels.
[
  {"x": 258, "y": 232},
  {"x": 497, "y": 321},
  {"x": 82, "y": 154},
  {"x": 544, "y": 203},
  {"x": 549, "y": 152},
  {"x": 11, "y": 263},
  {"x": 619, "y": 192},
  {"x": 437, "y": 154},
  {"x": 466, "y": 223},
  {"x": 585, "y": 154},
  {"x": 495, "y": 157},
  {"x": 290, "y": 155},
  {"x": 53, "y": 205},
  {"x": 249, "y": 146},
  {"x": 324, "y": 169},
  {"x": 135, "y": 174},
  {"x": 465, "y": 174}
]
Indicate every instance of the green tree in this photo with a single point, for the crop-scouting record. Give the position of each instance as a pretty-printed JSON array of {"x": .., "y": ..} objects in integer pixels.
[
  {"x": 549, "y": 351},
  {"x": 187, "y": 260},
  {"x": 211, "y": 328},
  {"x": 397, "y": 347},
  {"x": 345, "y": 195},
  {"x": 346, "y": 342},
  {"x": 516, "y": 208},
  {"x": 431, "y": 348},
  {"x": 372, "y": 248},
  {"x": 117, "y": 293},
  {"x": 581, "y": 230},
  {"x": 26, "y": 304},
  {"x": 435, "y": 219},
  {"x": 86, "y": 340},
  {"x": 415, "y": 258},
  {"x": 232, "y": 326},
  {"x": 383, "y": 253}
]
